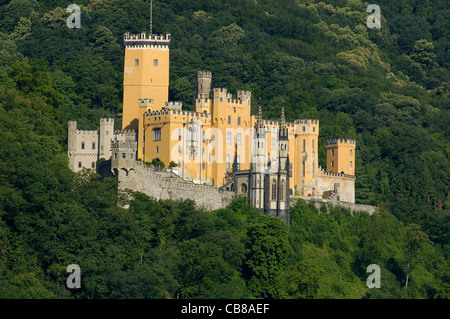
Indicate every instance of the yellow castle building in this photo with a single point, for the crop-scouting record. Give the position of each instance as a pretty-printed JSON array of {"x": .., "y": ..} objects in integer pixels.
[
  {"x": 220, "y": 143},
  {"x": 205, "y": 143}
]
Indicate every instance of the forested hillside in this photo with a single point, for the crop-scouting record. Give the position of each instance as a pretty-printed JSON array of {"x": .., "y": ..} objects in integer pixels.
[{"x": 386, "y": 88}]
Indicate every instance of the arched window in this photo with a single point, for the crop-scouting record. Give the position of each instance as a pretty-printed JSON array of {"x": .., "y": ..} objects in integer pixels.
[
  {"x": 274, "y": 190},
  {"x": 282, "y": 190}
]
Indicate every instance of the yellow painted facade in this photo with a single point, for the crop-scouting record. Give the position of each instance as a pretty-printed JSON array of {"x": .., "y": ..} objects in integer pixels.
[
  {"x": 341, "y": 156},
  {"x": 146, "y": 76},
  {"x": 206, "y": 142}
]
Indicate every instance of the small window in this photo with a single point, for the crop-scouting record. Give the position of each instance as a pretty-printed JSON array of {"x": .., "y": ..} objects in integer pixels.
[
  {"x": 115, "y": 155},
  {"x": 229, "y": 119},
  {"x": 136, "y": 62},
  {"x": 124, "y": 155},
  {"x": 93, "y": 145},
  {"x": 157, "y": 149},
  {"x": 304, "y": 129},
  {"x": 102, "y": 147},
  {"x": 351, "y": 152},
  {"x": 303, "y": 169},
  {"x": 203, "y": 165},
  {"x": 238, "y": 138},
  {"x": 332, "y": 163},
  {"x": 79, "y": 164},
  {"x": 313, "y": 146},
  {"x": 239, "y": 120},
  {"x": 332, "y": 152},
  {"x": 228, "y": 162},
  {"x": 155, "y": 62},
  {"x": 179, "y": 149},
  {"x": 273, "y": 143},
  {"x": 157, "y": 134},
  {"x": 274, "y": 190},
  {"x": 304, "y": 145},
  {"x": 107, "y": 132},
  {"x": 229, "y": 138},
  {"x": 238, "y": 162},
  {"x": 93, "y": 164},
  {"x": 82, "y": 145},
  {"x": 314, "y": 128},
  {"x": 351, "y": 165}
]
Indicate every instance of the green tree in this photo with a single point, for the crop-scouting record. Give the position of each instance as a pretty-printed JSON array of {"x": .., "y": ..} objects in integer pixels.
[{"x": 266, "y": 256}]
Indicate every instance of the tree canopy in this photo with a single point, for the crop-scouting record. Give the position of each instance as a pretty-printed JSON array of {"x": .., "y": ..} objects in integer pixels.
[{"x": 386, "y": 88}]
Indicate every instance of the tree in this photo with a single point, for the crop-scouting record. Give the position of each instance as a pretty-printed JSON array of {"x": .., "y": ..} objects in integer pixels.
[
  {"x": 415, "y": 240},
  {"x": 158, "y": 163},
  {"x": 266, "y": 256},
  {"x": 423, "y": 54}
]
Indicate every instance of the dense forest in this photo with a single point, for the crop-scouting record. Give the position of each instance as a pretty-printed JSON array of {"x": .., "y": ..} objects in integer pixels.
[{"x": 386, "y": 88}]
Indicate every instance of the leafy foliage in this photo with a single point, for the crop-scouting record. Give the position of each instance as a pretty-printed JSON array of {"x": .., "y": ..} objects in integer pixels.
[{"x": 386, "y": 88}]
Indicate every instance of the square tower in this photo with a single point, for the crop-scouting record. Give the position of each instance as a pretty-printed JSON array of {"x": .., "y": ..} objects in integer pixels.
[
  {"x": 146, "y": 75},
  {"x": 341, "y": 156}
]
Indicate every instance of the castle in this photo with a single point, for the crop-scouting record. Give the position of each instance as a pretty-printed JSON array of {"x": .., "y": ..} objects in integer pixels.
[{"x": 220, "y": 144}]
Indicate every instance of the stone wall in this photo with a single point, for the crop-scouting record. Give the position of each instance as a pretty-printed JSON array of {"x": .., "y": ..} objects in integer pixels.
[
  {"x": 343, "y": 185},
  {"x": 166, "y": 185},
  {"x": 318, "y": 202}
]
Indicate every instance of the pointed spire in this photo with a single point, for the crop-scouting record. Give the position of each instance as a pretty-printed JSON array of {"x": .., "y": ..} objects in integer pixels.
[
  {"x": 283, "y": 126},
  {"x": 283, "y": 119},
  {"x": 259, "y": 120}
]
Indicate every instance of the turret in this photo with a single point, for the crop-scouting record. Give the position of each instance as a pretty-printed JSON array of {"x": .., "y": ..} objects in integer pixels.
[
  {"x": 72, "y": 136},
  {"x": 341, "y": 156},
  {"x": 283, "y": 141},
  {"x": 259, "y": 144},
  {"x": 106, "y": 135},
  {"x": 204, "y": 79}
]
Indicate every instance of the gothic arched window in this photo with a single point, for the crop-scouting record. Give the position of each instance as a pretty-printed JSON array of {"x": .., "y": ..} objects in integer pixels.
[
  {"x": 282, "y": 190},
  {"x": 274, "y": 190}
]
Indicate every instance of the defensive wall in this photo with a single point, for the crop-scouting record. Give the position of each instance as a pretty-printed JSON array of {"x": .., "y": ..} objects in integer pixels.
[{"x": 167, "y": 185}]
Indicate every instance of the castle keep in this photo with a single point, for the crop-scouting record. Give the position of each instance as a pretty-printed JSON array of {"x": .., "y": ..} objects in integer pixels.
[{"x": 218, "y": 145}]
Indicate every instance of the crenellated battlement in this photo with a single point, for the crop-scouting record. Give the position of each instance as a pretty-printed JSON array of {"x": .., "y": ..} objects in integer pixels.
[
  {"x": 306, "y": 121},
  {"x": 335, "y": 142},
  {"x": 222, "y": 92},
  {"x": 232, "y": 102},
  {"x": 325, "y": 173},
  {"x": 166, "y": 111},
  {"x": 123, "y": 145},
  {"x": 144, "y": 40},
  {"x": 244, "y": 95},
  {"x": 202, "y": 99},
  {"x": 204, "y": 74},
  {"x": 123, "y": 132},
  {"x": 87, "y": 132},
  {"x": 174, "y": 105},
  {"x": 106, "y": 120},
  {"x": 72, "y": 123},
  {"x": 144, "y": 103}
]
